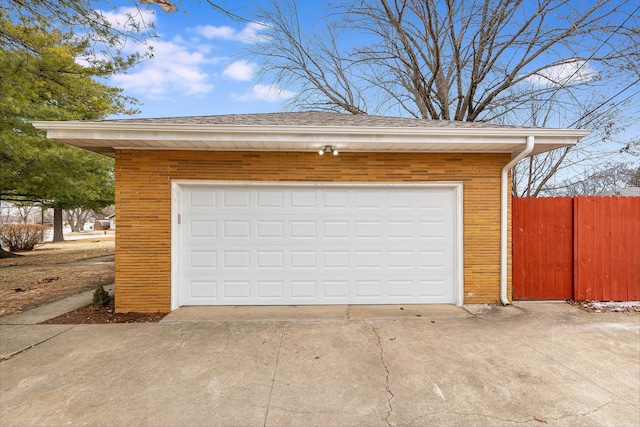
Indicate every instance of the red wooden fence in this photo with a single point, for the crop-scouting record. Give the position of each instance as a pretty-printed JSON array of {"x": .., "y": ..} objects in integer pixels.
[{"x": 583, "y": 248}]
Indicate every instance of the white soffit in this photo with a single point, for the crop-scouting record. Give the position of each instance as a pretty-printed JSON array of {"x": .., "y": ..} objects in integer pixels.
[{"x": 107, "y": 136}]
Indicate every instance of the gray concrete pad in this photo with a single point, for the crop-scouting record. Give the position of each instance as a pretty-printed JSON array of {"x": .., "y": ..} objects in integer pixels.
[
  {"x": 530, "y": 364},
  {"x": 407, "y": 311},
  {"x": 315, "y": 312},
  {"x": 256, "y": 313},
  {"x": 15, "y": 339},
  {"x": 328, "y": 374},
  {"x": 55, "y": 309}
]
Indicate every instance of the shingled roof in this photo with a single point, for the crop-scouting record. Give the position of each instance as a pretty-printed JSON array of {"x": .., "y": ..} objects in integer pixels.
[
  {"x": 303, "y": 131},
  {"x": 311, "y": 118}
]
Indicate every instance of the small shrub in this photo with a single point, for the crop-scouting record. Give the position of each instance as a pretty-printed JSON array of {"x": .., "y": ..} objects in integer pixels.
[
  {"x": 100, "y": 297},
  {"x": 21, "y": 237}
]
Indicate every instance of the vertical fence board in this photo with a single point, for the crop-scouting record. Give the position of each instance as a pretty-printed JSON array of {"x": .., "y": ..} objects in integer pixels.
[
  {"x": 542, "y": 248},
  {"x": 564, "y": 266},
  {"x": 618, "y": 287},
  {"x": 583, "y": 226},
  {"x": 630, "y": 262},
  {"x": 585, "y": 248},
  {"x": 518, "y": 217},
  {"x": 607, "y": 245}
]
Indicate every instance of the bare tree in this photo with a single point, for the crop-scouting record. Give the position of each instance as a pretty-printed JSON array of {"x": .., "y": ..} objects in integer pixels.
[
  {"x": 634, "y": 178},
  {"x": 77, "y": 218},
  {"x": 552, "y": 63},
  {"x": 25, "y": 211},
  {"x": 451, "y": 60},
  {"x": 608, "y": 178},
  {"x": 549, "y": 173}
]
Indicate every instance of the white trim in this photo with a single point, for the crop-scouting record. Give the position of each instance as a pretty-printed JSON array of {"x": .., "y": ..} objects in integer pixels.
[
  {"x": 86, "y": 127},
  {"x": 176, "y": 195},
  {"x": 106, "y": 137},
  {"x": 456, "y": 186},
  {"x": 505, "y": 190}
]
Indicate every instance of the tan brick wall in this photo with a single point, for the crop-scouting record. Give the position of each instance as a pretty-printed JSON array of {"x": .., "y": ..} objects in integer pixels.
[{"x": 143, "y": 203}]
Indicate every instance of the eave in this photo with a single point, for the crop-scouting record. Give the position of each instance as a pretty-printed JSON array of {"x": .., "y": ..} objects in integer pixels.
[{"x": 108, "y": 136}]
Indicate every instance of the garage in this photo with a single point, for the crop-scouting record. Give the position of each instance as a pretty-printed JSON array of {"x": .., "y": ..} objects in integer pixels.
[
  {"x": 242, "y": 209},
  {"x": 256, "y": 243}
]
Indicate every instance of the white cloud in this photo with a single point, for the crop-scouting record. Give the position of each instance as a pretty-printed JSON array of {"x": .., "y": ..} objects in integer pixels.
[
  {"x": 249, "y": 34},
  {"x": 175, "y": 67},
  {"x": 212, "y": 32},
  {"x": 129, "y": 18},
  {"x": 240, "y": 70},
  {"x": 269, "y": 93},
  {"x": 570, "y": 72}
]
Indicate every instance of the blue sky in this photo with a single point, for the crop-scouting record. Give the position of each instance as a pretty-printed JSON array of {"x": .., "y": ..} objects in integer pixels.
[{"x": 199, "y": 65}]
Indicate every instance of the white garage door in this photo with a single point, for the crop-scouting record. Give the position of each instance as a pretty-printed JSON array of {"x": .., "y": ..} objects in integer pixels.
[{"x": 315, "y": 244}]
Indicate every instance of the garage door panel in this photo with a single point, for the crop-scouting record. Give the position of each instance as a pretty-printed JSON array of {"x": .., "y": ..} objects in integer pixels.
[
  {"x": 302, "y": 200},
  {"x": 204, "y": 228},
  {"x": 235, "y": 198},
  {"x": 200, "y": 198},
  {"x": 434, "y": 289},
  {"x": 338, "y": 199},
  {"x": 270, "y": 199},
  {"x": 268, "y": 257},
  {"x": 316, "y": 245},
  {"x": 236, "y": 229},
  {"x": 270, "y": 289},
  {"x": 202, "y": 259},
  {"x": 304, "y": 289},
  {"x": 270, "y": 229},
  {"x": 300, "y": 259},
  {"x": 234, "y": 290},
  {"x": 303, "y": 229}
]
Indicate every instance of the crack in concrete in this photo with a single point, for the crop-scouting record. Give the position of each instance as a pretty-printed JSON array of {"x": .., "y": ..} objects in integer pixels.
[
  {"x": 384, "y": 365},
  {"x": 463, "y": 414},
  {"x": 585, "y": 414},
  {"x": 7, "y": 357},
  {"x": 275, "y": 374}
]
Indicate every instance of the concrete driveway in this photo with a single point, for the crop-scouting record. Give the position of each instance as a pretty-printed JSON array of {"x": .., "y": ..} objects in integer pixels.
[{"x": 530, "y": 364}]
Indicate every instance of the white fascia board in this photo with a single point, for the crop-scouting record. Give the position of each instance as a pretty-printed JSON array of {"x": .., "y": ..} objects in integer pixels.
[{"x": 157, "y": 136}]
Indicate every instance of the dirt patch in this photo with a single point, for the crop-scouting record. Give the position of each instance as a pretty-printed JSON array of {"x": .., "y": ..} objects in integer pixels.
[
  {"x": 52, "y": 272},
  {"x": 107, "y": 314},
  {"x": 607, "y": 306}
]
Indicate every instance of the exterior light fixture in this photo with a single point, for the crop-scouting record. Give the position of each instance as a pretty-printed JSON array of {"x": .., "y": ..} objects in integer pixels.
[{"x": 328, "y": 149}]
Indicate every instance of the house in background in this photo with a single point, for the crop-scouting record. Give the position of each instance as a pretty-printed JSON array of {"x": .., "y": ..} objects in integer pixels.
[
  {"x": 112, "y": 221},
  {"x": 624, "y": 192},
  {"x": 310, "y": 207}
]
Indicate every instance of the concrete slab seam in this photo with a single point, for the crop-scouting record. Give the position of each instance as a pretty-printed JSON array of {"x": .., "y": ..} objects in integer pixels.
[
  {"x": 275, "y": 374},
  {"x": 384, "y": 365},
  {"x": 33, "y": 345},
  {"x": 577, "y": 373}
]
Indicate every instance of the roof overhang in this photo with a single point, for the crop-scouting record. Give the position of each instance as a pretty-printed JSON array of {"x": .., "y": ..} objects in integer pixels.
[{"x": 108, "y": 136}]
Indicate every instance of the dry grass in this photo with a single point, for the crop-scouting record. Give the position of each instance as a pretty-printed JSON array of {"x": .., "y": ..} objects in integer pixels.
[{"x": 45, "y": 274}]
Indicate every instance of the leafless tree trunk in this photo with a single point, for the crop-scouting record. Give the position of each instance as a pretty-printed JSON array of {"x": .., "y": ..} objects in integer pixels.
[
  {"x": 25, "y": 211},
  {"x": 77, "y": 218}
]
